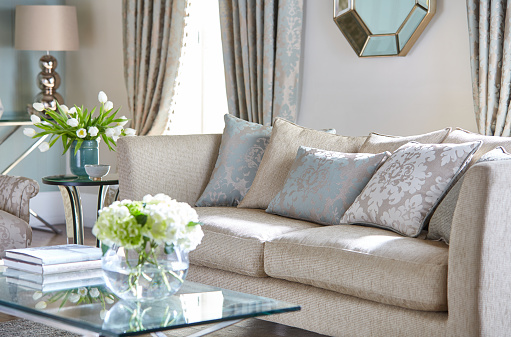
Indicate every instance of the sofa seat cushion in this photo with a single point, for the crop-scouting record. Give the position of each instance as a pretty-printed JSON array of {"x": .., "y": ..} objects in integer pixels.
[
  {"x": 234, "y": 238},
  {"x": 365, "y": 262}
]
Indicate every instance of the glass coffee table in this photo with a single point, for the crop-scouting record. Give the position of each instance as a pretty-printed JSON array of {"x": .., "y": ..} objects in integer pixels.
[{"x": 92, "y": 310}]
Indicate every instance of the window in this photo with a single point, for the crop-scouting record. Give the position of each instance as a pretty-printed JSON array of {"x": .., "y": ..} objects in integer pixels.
[{"x": 201, "y": 100}]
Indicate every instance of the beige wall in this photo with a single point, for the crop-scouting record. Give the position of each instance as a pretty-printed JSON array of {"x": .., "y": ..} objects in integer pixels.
[
  {"x": 99, "y": 63},
  {"x": 428, "y": 89}
]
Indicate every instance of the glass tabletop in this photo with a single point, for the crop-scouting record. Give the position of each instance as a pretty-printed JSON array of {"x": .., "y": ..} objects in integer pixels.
[
  {"x": 71, "y": 180},
  {"x": 92, "y": 308}
]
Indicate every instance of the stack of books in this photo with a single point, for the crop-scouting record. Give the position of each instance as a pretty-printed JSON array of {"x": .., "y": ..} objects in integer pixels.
[{"x": 54, "y": 267}]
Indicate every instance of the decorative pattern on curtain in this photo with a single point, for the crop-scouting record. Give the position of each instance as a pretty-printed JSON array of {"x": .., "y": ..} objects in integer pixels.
[
  {"x": 153, "y": 35},
  {"x": 489, "y": 23},
  {"x": 261, "y": 41}
]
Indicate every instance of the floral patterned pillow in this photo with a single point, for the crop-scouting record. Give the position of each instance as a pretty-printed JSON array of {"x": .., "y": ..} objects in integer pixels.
[
  {"x": 242, "y": 147},
  {"x": 404, "y": 192},
  {"x": 441, "y": 221},
  {"x": 321, "y": 185}
]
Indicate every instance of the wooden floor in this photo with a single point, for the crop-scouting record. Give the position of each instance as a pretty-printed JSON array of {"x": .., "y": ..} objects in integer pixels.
[{"x": 247, "y": 328}]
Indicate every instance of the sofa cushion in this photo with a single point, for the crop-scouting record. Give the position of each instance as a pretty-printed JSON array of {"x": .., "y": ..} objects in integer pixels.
[
  {"x": 321, "y": 185},
  {"x": 241, "y": 150},
  {"x": 364, "y": 262},
  {"x": 441, "y": 221},
  {"x": 234, "y": 238},
  {"x": 280, "y": 153},
  {"x": 402, "y": 195},
  {"x": 489, "y": 142},
  {"x": 376, "y": 143}
]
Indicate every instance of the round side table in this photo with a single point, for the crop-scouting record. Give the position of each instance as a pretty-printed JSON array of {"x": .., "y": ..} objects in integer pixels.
[{"x": 69, "y": 183}]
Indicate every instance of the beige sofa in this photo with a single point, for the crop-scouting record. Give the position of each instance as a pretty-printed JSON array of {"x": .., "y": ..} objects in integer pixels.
[
  {"x": 15, "y": 195},
  {"x": 349, "y": 280}
]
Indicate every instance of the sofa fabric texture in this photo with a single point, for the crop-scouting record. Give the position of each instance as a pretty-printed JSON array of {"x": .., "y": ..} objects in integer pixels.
[
  {"x": 234, "y": 238},
  {"x": 321, "y": 185},
  {"x": 369, "y": 263},
  {"x": 376, "y": 143},
  {"x": 404, "y": 192},
  {"x": 280, "y": 153},
  {"x": 241, "y": 151},
  {"x": 14, "y": 232}
]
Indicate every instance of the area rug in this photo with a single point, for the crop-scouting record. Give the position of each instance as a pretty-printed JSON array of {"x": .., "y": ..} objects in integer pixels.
[{"x": 26, "y": 328}]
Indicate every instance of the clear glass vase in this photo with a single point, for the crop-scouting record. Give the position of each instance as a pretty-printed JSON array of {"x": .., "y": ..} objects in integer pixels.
[{"x": 144, "y": 275}]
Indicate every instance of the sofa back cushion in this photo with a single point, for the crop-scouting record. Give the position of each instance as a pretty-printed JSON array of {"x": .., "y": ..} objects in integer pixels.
[
  {"x": 280, "y": 153},
  {"x": 376, "y": 143},
  {"x": 489, "y": 143}
]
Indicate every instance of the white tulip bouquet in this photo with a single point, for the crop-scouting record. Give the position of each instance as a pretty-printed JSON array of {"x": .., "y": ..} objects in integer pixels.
[{"x": 79, "y": 124}]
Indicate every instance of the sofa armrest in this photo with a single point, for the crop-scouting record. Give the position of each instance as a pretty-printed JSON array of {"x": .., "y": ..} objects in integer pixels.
[
  {"x": 479, "y": 280},
  {"x": 15, "y": 195},
  {"x": 179, "y": 166}
]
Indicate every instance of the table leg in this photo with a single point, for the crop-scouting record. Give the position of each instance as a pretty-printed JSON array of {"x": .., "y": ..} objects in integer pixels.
[{"x": 76, "y": 209}]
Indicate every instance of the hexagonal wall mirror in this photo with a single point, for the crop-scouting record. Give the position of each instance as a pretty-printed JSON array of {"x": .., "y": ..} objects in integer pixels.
[{"x": 382, "y": 27}]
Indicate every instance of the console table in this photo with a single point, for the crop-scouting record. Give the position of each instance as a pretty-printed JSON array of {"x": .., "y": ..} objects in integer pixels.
[{"x": 16, "y": 124}]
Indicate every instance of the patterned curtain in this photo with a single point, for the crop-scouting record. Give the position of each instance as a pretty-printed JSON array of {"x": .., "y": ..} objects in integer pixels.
[
  {"x": 153, "y": 34},
  {"x": 489, "y": 23},
  {"x": 262, "y": 42}
]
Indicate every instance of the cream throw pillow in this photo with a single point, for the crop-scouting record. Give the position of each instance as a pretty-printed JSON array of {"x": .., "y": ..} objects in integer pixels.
[
  {"x": 285, "y": 139},
  {"x": 405, "y": 190},
  {"x": 377, "y": 143}
]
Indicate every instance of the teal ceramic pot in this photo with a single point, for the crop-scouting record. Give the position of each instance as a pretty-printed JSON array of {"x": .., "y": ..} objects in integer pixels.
[{"x": 87, "y": 154}]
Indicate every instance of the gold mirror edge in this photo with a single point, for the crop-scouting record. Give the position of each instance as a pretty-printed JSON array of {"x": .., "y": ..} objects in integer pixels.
[{"x": 417, "y": 33}]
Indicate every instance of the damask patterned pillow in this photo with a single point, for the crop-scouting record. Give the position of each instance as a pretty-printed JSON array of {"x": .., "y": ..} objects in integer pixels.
[
  {"x": 404, "y": 192},
  {"x": 242, "y": 147},
  {"x": 286, "y": 138},
  {"x": 321, "y": 185},
  {"x": 441, "y": 221}
]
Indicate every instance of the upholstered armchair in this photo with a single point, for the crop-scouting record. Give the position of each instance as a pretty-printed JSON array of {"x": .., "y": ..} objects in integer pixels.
[{"x": 15, "y": 195}]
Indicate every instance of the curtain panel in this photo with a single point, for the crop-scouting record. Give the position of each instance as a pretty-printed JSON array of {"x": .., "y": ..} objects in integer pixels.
[
  {"x": 262, "y": 45},
  {"x": 489, "y": 23},
  {"x": 152, "y": 37}
]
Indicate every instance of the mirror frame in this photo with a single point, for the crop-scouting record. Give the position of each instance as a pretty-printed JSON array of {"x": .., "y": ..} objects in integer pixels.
[{"x": 356, "y": 31}]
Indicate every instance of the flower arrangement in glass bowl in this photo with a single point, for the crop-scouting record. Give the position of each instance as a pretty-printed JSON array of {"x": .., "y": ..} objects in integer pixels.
[
  {"x": 78, "y": 124},
  {"x": 148, "y": 243}
]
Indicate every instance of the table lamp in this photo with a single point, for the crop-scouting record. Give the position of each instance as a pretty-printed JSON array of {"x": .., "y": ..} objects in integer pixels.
[{"x": 46, "y": 28}]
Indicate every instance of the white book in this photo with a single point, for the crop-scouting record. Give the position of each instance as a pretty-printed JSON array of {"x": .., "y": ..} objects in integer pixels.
[
  {"x": 53, "y": 278},
  {"x": 89, "y": 282},
  {"x": 51, "y": 268},
  {"x": 55, "y": 254}
]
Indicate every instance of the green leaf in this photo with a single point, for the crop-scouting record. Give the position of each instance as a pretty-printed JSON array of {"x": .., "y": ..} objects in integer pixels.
[
  {"x": 141, "y": 219},
  {"x": 78, "y": 144}
]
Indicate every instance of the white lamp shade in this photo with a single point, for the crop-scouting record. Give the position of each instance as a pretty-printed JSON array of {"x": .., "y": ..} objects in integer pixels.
[{"x": 47, "y": 28}]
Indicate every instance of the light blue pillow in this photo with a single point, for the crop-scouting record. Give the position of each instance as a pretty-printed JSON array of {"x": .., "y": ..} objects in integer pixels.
[
  {"x": 241, "y": 150},
  {"x": 321, "y": 185}
]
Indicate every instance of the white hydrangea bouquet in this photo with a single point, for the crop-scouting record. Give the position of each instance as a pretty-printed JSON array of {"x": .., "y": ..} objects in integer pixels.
[
  {"x": 79, "y": 124},
  {"x": 155, "y": 226}
]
